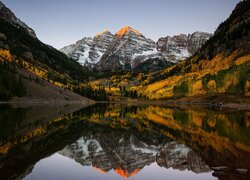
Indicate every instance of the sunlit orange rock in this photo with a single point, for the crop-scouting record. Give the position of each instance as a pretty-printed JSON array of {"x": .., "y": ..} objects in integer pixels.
[
  {"x": 125, "y": 30},
  {"x": 125, "y": 173}
]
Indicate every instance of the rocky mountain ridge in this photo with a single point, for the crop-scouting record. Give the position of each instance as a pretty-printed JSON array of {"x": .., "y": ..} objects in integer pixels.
[
  {"x": 180, "y": 47},
  {"x": 129, "y": 49},
  {"x": 127, "y": 44},
  {"x": 31, "y": 70},
  {"x": 88, "y": 51},
  {"x": 128, "y": 155},
  {"x": 221, "y": 66},
  {"x": 9, "y": 16}
]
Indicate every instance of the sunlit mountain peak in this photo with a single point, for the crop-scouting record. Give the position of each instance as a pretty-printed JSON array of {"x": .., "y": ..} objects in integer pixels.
[
  {"x": 126, "y": 30},
  {"x": 101, "y": 33}
]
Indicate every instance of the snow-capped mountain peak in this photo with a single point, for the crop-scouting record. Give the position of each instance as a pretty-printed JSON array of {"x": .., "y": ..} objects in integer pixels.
[
  {"x": 127, "y": 43},
  {"x": 128, "y": 155},
  {"x": 129, "y": 49},
  {"x": 89, "y": 51}
]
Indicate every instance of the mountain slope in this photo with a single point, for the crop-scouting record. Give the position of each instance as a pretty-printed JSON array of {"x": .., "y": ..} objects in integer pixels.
[
  {"x": 124, "y": 50},
  {"x": 222, "y": 66},
  {"x": 127, "y": 43},
  {"x": 24, "y": 46},
  {"x": 25, "y": 56},
  {"x": 88, "y": 51},
  {"x": 9, "y": 16},
  {"x": 128, "y": 49}
]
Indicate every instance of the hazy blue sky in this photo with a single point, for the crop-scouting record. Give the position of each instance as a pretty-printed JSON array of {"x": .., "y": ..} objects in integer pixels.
[{"x": 63, "y": 22}]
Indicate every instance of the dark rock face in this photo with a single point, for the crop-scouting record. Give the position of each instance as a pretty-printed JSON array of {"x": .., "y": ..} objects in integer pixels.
[
  {"x": 169, "y": 44},
  {"x": 153, "y": 64},
  {"x": 170, "y": 50},
  {"x": 3, "y": 39},
  {"x": 196, "y": 40},
  {"x": 232, "y": 34},
  {"x": 180, "y": 157},
  {"x": 28, "y": 55},
  {"x": 181, "y": 46},
  {"x": 9, "y": 16}
]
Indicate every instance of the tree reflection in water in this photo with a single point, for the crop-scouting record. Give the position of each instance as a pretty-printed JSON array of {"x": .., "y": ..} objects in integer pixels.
[{"x": 126, "y": 138}]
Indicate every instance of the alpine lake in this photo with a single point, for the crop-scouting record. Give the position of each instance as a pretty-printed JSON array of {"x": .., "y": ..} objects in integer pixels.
[{"x": 116, "y": 141}]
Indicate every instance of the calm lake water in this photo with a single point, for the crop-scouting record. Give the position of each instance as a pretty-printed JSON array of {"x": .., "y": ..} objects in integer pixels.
[{"x": 114, "y": 141}]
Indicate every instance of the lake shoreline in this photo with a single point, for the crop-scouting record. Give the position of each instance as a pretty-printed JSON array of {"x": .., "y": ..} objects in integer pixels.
[
  {"x": 231, "y": 102},
  {"x": 35, "y": 102},
  {"x": 222, "y": 101},
  {"x": 231, "y": 105}
]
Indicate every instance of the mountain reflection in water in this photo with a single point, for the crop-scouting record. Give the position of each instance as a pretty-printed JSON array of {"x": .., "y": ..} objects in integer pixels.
[{"x": 126, "y": 140}]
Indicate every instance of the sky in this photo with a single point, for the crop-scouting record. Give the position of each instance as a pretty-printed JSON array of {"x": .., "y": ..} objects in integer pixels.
[{"x": 63, "y": 22}]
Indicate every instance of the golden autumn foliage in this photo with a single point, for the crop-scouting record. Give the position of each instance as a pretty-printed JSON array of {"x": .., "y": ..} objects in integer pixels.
[
  {"x": 203, "y": 77},
  {"x": 193, "y": 126},
  {"x": 29, "y": 135},
  {"x": 5, "y": 55},
  {"x": 191, "y": 122},
  {"x": 211, "y": 85},
  {"x": 166, "y": 121},
  {"x": 195, "y": 86},
  {"x": 197, "y": 117},
  {"x": 5, "y": 148},
  {"x": 204, "y": 128},
  {"x": 211, "y": 122},
  {"x": 247, "y": 88},
  {"x": 34, "y": 132},
  {"x": 242, "y": 60},
  {"x": 156, "y": 91},
  {"x": 41, "y": 71}
]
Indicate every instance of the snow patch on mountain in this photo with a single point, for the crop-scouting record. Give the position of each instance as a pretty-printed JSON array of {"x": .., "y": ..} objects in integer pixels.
[
  {"x": 145, "y": 53},
  {"x": 110, "y": 152},
  {"x": 89, "y": 51},
  {"x": 180, "y": 47},
  {"x": 128, "y": 49},
  {"x": 127, "y": 44}
]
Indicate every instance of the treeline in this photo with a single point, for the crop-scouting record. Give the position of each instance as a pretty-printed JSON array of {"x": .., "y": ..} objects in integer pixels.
[
  {"x": 232, "y": 81},
  {"x": 128, "y": 93},
  {"x": 98, "y": 94},
  {"x": 11, "y": 84}
]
